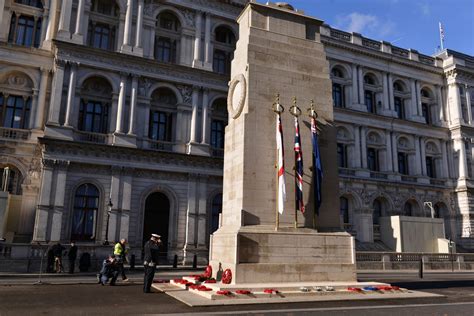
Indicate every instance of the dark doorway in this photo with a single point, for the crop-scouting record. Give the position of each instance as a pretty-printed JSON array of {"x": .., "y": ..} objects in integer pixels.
[{"x": 156, "y": 220}]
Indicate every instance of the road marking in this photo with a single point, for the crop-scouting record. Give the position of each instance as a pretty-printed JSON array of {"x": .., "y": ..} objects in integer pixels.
[{"x": 325, "y": 309}]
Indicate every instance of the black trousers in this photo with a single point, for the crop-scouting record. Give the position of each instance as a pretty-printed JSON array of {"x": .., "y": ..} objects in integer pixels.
[
  {"x": 148, "y": 280},
  {"x": 72, "y": 263}
]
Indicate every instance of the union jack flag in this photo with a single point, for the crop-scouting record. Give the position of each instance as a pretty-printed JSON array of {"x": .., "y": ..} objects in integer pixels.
[{"x": 298, "y": 169}]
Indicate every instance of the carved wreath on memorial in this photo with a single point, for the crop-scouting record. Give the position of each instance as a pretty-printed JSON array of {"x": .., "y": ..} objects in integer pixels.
[{"x": 236, "y": 97}]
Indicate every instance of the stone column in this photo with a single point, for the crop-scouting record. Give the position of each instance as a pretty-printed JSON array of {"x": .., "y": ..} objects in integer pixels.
[
  {"x": 468, "y": 104},
  {"x": 2, "y": 10},
  {"x": 179, "y": 118},
  {"x": 113, "y": 113},
  {"x": 39, "y": 118},
  {"x": 138, "y": 49},
  {"x": 197, "y": 40},
  {"x": 439, "y": 98},
  {"x": 355, "y": 91},
  {"x": 361, "y": 85},
  {"x": 445, "y": 165},
  {"x": 208, "y": 44},
  {"x": 53, "y": 13},
  {"x": 133, "y": 105},
  {"x": 126, "y": 204},
  {"x": 205, "y": 117},
  {"x": 64, "y": 32},
  {"x": 454, "y": 107},
  {"x": 115, "y": 197},
  {"x": 56, "y": 93},
  {"x": 423, "y": 156},
  {"x": 71, "y": 95},
  {"x": 418, "y": 97},
  {"x": 152, "y": 43},
  {"x": 126, "y": 47},
  {"x": 357, "y": 154},
  {"x": 44, "y": 201},
  {"x": 417, "y": 156},
  {"x": 190, "y": 218},
  {"x": 462, "y": 158},
  {"x": 78, "y": 36},
  {"x": 195, "y": 100},
  {"x": 394, "y": 152},
  {"x": 386, "y": 102},
  {"x": 414, "y": 105},
  {"x": 58, "y": 207},
  {"x": 202, "y": 218},
  {"x": 363, "y": 141},
  {"x": 388, "y": 152},
  {"x": 121, "y": 103},
  {"x": 34, "y": 107},
  {"x": 390, "y": 92}
]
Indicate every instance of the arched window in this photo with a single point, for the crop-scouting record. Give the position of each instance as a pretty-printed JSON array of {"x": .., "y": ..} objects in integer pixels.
[
  {"x": 377, "y": 212},
  {"x": 426, "y": 103},
  {"x": 408, "y": 209},
  {"x": 32, "y": 3},
  {"x": 26, "y": 22},
  {"x": 86, "y": 207},
  {"x": 337, "y": 76},
  {"x": 399, "y": 92},
  {"x": 95, "y": 103},
  {"x": 370, "y": 93},
  {"x": 16, "y": 91},
  {"x": 216, "y": 210},
  {"x": 103, "y": 24},
  {"x": 344, "y": 210},
  {"x": 11, "y": 180},
  {"x": 337, "y": 72},
  {"x": 224, "y": 46},
  {"x": 218, "y": 123},
  {"x": 168, "y": 34},
  {"x": 163, "y": 107}
]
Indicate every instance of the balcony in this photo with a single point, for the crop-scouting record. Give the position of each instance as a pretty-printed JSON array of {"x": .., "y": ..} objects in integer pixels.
[
  {"x": 158, "y": 145},
  {"x": 411, "y": 179},
  {"x": 378, "y": 175},
  {"x": 90, "y": 137},
  {"x": 14, "y": 133}
]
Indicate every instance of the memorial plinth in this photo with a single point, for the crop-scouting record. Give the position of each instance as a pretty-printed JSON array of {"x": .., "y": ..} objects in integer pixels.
[{"x": 278, "y": 51}]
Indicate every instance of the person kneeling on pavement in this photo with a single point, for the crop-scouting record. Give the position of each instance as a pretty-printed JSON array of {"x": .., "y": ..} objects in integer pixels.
[{"x": 110, "y": 270}]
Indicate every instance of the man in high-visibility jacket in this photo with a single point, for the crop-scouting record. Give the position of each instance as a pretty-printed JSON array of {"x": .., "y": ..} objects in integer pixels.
[{"x": 120, "y": 252}]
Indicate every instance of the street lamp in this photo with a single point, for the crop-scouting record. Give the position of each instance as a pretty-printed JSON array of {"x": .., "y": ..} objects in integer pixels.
[
  {"x": 109, "y": 210},
  {"x": 451, "y": 248}
]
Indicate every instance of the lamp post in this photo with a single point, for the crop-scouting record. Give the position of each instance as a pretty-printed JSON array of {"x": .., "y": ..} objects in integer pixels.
[
  {"x": 109, "y": 210},
  {"x": 451, "y": 248}
]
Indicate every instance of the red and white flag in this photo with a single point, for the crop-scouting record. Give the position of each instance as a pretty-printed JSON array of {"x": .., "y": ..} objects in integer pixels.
[{"x": 280, "y": 166}]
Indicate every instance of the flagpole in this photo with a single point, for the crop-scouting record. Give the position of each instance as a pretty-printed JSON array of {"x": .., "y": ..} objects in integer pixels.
[
  {"x": 296, "y": 112},
  {"x": 441, "y": 35},
  {"x": 313, "y": 115}
]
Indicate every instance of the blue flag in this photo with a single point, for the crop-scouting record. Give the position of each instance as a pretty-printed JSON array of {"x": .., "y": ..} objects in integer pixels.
[{"x": 317, "y": 168}]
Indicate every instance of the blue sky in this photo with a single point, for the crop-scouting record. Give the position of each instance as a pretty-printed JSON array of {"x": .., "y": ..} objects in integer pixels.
[{"x": 405, "y": 23}]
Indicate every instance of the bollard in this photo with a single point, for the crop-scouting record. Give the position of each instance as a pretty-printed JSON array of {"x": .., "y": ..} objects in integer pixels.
[
  {"x": 195, "y": 261},
  {"x": 175, "y": 261},
  {"x": 132, "y": 262},
  {"x": 420, "y": 272}
]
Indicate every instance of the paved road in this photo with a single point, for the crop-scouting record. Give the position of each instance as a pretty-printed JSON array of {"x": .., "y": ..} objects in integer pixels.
[{"x": 75, "y": 299}]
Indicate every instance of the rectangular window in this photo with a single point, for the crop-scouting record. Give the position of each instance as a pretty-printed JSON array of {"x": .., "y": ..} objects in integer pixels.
[
  {"x": 338, "y": 95},
  {"x": 93, "y": 117},
  {"x": 101, "y": 36},
  {"x": 430, "y": 167},
  {"x": 370, "y": 102},
  {"x": 399, "y": 108},
  {"x": 403, "y": 163},
  {"x": 341, "y": 156},
  {"x": 425, "y": 112},
  {"x": 217, "y": 133},
  {"x": 160, "y": 126},
  {"x": 15, "y": 112},
  {"x": 372, "y": 159},
  {"x": 165, "y": 50},
  {"x": 221, "y": 62},
  {"x": 25, "y": 31}
]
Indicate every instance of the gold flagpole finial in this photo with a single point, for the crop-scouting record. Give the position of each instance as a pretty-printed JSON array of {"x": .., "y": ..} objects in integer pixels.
[
  {"x": 295, "y": 110},
  {"x": 277, "y": 107},
  {"x": 311, "y": 111}
]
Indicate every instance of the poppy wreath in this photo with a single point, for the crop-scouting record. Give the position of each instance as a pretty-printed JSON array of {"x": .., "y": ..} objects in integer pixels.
[
  {"x": 395, "y": 288},
  {"x": 384, "y": 288},
  {"x": 208, "y": 272},
  {"x": 224, "y": 292},
  {"x": 203, "y": 288},
  {"x": 210, "y": 281},
  {"x": 194, "y": 287},
  {"x": 227, "y": 276},
  {"x": 243, "y": 292},
  {"x": 354, "y": 289},
  {"x": 270, "y": 291}
]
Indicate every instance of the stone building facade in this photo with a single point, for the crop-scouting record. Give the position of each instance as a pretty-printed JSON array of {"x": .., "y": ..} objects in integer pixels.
[{"x": 112, "y": 114}]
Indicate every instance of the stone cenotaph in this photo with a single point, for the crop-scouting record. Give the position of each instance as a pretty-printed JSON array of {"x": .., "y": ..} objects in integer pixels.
[{"x": 278, "y": 51}]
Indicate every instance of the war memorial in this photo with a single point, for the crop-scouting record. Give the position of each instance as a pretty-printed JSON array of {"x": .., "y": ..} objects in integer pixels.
[{"x": 259, "y": 254}]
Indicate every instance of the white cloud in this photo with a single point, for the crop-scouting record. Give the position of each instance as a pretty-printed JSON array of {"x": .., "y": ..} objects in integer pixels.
[{"x": 366, "y": 24}]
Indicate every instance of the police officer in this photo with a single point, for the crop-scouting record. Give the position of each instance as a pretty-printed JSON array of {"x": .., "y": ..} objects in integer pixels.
[{"x": 152, "y": 247}]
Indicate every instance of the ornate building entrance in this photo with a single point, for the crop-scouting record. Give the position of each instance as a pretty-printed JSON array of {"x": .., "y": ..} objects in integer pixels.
[{"x": 156, "y": 219}]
